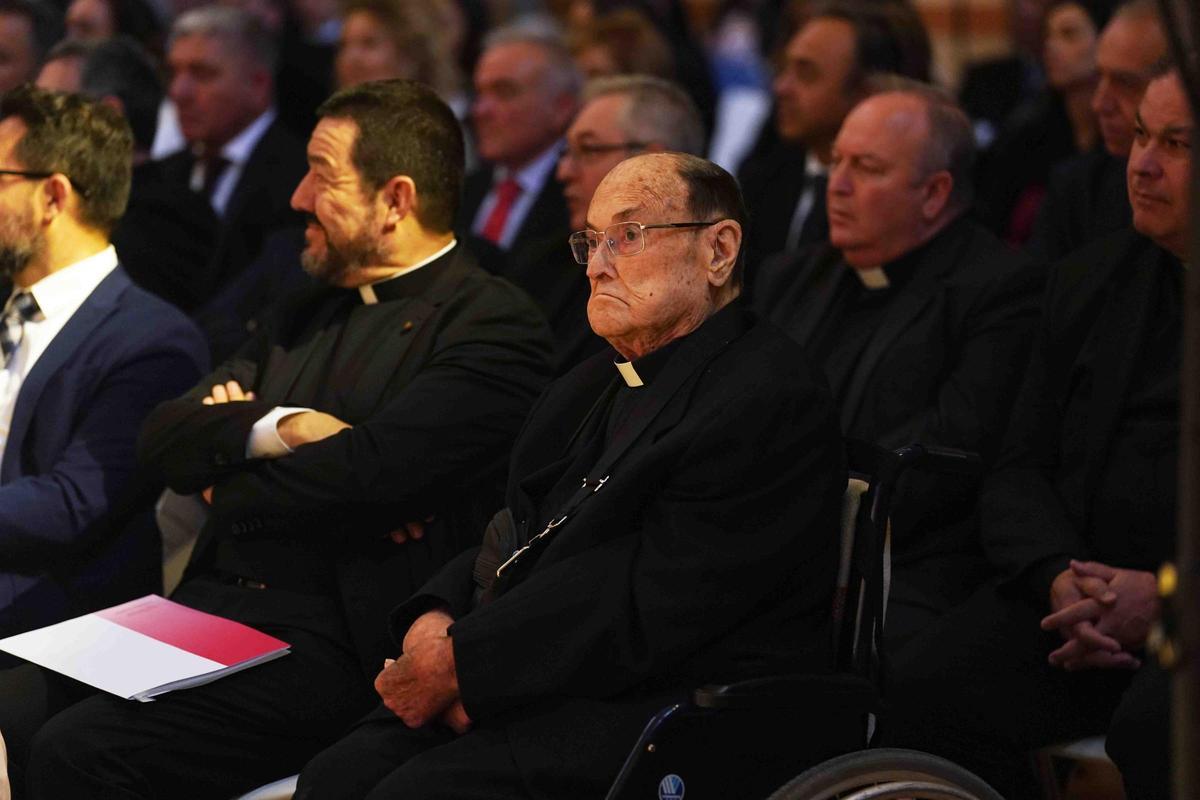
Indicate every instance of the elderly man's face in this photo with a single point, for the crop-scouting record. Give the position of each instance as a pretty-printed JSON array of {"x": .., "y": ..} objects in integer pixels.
[
  {"x": 1160, "y": 165},
  {"x": 342, "y": 234},
  {"x": 517, "y": 112},
  {"x": 17, "y": 58},
  {"x": 810, "y": 89},
  {"x": 595, "y": 144},
  {"x": 1128, "y": 48},
  {"x": 876, "y": 187},
  {"x": 664, "y": 289},
  {"x": 217, "y": 90}
]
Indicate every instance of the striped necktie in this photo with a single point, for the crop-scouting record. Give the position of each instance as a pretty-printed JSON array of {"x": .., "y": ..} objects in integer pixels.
[{"x": 21, "y": 309}]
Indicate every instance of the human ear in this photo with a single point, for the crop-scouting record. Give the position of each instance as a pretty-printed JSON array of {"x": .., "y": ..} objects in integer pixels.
[
  {"x": 400, "y": 196},
  {"x": 935, "y": 194},
  {"x": 724, "y": 244}
]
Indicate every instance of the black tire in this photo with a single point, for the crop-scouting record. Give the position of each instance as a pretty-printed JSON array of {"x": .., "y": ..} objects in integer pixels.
[{"x": 841, "y": 776}]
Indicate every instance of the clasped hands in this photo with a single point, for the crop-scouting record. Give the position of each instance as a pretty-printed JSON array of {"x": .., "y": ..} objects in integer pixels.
[
  {"x": 421, "y": 686},
  {"x": 1104, "y": 613}
]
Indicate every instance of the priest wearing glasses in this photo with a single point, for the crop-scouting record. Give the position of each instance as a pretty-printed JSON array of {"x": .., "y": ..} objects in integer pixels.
[{"x": 671, "y": 520}]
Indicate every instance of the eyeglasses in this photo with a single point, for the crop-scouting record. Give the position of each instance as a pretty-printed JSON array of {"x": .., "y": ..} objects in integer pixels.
[
  {"x": 584, "y": 153},
  {"x": 37, "y": 176},
  {"x": 622, "y": 238}
]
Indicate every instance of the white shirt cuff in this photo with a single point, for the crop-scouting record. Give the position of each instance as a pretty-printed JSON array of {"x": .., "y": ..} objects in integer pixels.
[{"x": 264, "y": 441}]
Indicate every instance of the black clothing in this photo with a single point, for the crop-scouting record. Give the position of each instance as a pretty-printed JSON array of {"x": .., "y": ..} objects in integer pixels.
[
  {"x": 934, "y": 358},
  {"x": 1086, "y": 198},
  {"x": 435, "y": 379},
  {"x": 165, "y": 239},
  {"x": 1086, "y": 472},
  {"x": 707, "y": 554},
  {"x": 538, "y": 261},
  {"x": 260, "y": 203}
]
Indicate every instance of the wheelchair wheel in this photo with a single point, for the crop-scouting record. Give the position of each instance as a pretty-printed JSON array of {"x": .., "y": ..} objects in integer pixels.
[{"x": 886, "y": 774}]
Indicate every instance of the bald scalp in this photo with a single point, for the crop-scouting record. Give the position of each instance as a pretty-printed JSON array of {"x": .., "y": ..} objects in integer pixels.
[{"x": 651, "y": 181}]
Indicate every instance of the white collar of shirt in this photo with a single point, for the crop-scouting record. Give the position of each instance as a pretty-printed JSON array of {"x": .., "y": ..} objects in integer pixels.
[
  {"x": 237, "y": 152},
  {"x": 238, "y": 149},
  {"x": 367, "y": 292},
  {"x": 629, "y": 374},
  {"x": 63, "y": 291},
  {"x": 814, "y": 167},
  {"x": 531, "y": 176}
]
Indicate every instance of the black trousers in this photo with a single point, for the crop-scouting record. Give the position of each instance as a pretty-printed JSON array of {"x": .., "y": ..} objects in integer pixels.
[
  {"x": 977, "y": 688},
  {"x": 382, "y": 759},
  {"x": 218, "y": 740}
]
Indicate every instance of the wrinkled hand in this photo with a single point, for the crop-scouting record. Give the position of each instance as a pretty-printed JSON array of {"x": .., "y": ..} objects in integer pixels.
[
  {"x": 414, "y": 531},
  {"x": 307, "y": 427},
  {"x": 422, "y": 685},
  {"x": 1102, "y": 612},
  {"x": 230, "y": 392}
]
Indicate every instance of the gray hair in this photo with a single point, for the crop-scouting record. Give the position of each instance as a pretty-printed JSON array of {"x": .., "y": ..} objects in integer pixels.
[
  {"x": 561, "y": 75},
  {"x": 658, "y": 111},
  {"x": 951, "y": 143},
  {"x": 238, "y": 28}
]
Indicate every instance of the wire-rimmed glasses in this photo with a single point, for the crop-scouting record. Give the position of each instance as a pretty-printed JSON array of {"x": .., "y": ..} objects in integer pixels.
[{"x": 622, "y": 238}]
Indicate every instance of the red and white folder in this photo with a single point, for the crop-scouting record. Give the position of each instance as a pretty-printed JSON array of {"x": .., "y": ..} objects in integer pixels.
[{"x": 146, "y": 647}]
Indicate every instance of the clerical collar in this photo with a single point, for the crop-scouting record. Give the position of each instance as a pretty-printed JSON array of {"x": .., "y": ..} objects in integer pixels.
[
  {"x": 873, "y": 278},
  {"x": 644, "y": 370},
  {"x": 392, "y": 288}
]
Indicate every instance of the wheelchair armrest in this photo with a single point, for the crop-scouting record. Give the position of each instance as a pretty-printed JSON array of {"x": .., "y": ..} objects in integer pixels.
[
  {"x": 835, "y": 693},
  {"x": 944, "y": 460}
]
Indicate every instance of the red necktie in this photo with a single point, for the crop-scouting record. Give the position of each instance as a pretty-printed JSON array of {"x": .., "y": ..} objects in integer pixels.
[{"x": 506, "y": 195}]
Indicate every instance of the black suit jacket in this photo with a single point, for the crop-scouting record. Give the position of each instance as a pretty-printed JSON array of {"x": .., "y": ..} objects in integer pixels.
[
  {"x": 772, "y": 184},
  {"x": 259, "y": 205},
  {"x": 1037, "y": 505},
  {"x": 708, "y": 554},
  {"x": 942, "y": 367},
  {"x": 436, "y": 392},
  {"x": 539, "y": 261},
  {"x": 1086, "y": 198}
]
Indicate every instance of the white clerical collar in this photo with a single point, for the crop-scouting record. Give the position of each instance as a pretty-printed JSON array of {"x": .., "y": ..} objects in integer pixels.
[
  {"x": 632, "y": 379},
  {"x": 873, "y": 278},
  {"x": 367, "y": 292}
]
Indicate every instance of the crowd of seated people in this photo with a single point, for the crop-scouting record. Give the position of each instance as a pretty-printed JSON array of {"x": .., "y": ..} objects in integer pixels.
[{"x": 517, "y": 418}]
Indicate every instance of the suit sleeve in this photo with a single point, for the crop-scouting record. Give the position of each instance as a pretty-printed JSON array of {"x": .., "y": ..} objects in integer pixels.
[
  {"x": 755, "y": 495},
  {"x": 193, "y": 446},
  {"x": 445, "y": 429},
  {"x": 59, "y": 508},
  {"x": 1024, "y": 529}
]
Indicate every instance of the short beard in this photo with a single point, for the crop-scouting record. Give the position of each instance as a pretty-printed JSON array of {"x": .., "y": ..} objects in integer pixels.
[
  {"x": 337, "y": 263},
  {"x": 15, "y": 257}
]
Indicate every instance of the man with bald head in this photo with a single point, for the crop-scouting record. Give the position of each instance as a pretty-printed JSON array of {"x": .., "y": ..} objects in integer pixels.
[
  {"x": 672, "y": 515},
  {"x": 1080, "y": 509},
  {"x": 621, "y": 116},
  {"x": 919, "y": 317},
  {"x": 1086, "y": 196}
]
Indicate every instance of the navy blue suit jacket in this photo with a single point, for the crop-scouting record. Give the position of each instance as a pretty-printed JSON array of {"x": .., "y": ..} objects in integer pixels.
[{"x": 76, "y": 531}]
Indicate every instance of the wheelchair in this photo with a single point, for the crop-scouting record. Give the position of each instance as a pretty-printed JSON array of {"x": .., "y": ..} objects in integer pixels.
[{"x": 746, "y": 740}]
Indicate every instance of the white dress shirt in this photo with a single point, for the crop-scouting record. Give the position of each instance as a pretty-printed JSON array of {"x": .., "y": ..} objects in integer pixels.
[
  {"x": 59, "y": 295},
  {"x": 264, "y": 440},
  {"x": 237, "y": 152},
  {"x": 813, "y": 169},
  {"x": 531, "y": 178}
]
